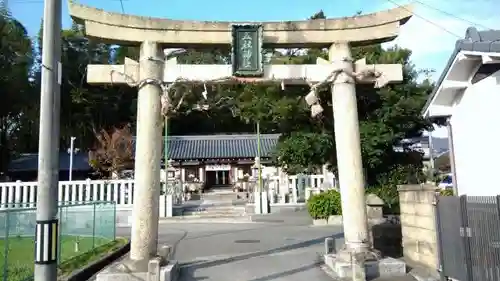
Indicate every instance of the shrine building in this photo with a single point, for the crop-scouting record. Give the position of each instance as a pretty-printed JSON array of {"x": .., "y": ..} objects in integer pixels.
[{"x": 218, "y": 160}]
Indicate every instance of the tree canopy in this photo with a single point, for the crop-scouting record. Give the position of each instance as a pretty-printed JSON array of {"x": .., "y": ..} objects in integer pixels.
[
  {"x": 16, "y": 98},
  {"x": 387, "y": 116}
]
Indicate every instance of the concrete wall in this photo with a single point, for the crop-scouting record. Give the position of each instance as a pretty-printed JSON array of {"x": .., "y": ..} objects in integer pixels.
[
  {"x": 418, "y": 224},
  {"x": 475, "y": 138}
]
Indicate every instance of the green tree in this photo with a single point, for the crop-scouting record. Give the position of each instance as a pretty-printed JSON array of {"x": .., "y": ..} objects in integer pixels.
[
  {"x": 85, "y": 108},
  {"x": 15, "y": 86},
  {"x": 387, "y": 117}
]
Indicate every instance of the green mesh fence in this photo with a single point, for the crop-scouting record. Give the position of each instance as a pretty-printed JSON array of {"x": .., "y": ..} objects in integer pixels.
[{"x": 82, "y": 228}]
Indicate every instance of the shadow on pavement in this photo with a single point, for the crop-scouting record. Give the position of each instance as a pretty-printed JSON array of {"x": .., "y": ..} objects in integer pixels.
[
  {"x": 230, "y": 232},
  {"x": 189, "y": 268},
  {"x": 286, "y": 273}
]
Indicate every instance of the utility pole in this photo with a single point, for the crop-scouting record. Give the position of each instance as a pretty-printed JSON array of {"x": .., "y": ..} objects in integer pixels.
[
  {"x": 47, "y": 223},
  {"x": 451, "y": 153}
]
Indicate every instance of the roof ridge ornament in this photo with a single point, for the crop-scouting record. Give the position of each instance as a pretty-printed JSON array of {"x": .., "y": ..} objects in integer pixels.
[{"x": 472, "y": 34}]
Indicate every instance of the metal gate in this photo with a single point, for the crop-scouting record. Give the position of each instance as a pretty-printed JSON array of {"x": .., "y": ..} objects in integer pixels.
[{"x": 469, "y": 237}]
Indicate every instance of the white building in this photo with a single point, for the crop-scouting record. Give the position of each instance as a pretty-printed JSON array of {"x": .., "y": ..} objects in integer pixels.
[{"x": 468, "y": 94}]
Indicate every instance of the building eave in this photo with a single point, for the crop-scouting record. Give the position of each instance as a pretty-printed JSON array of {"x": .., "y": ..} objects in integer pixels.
[
  {"x": 454, "y": 81},
  {"x": 477, "y": 49}
]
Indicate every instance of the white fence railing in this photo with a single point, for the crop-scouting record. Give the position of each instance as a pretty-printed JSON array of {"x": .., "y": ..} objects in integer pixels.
[
  {"x": 295, "y": 189},
  {"x": 23, "y": 194}
]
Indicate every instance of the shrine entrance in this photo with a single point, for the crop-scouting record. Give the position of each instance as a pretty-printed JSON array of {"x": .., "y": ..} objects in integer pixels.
[
  {"x": 218, "y": 176},
  {"x": 218, "y": 179},
  {"x": 156, "y": 75}
]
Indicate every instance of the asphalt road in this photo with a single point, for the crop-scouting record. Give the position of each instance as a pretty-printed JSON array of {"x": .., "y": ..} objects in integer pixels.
[
  {"x": 284, "y": 248},
  {"x": 276, "y": 247}
]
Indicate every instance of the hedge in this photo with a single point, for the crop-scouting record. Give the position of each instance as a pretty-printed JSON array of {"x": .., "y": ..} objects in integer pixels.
[
  {"x": 446, "y": 192},
  {"x": 325, "y": 204}
]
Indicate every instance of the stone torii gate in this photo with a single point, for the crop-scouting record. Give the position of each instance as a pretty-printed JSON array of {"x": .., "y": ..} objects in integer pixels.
[{"x": 152, "y": 73}]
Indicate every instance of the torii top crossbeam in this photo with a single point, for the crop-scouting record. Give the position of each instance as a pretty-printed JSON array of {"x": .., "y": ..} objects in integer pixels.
[{"x": 358, "y": 30}]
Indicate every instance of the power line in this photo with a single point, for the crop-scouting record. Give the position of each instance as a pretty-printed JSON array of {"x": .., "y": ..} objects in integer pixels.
[
  {"x": 450, "y": 14},
  {"x": 425, "y": 19},
  {"x": 41, "y": 2},
  {"x": 123, "y": 9}
]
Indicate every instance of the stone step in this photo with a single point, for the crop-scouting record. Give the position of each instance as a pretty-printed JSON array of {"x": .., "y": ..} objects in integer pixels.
[
  {"x": 214, "y": 204},
  {"x": 214, "y": 210},
  {"x": 209, "y": 219},
  {"x": 217, "y": 198},
  {"x": 226, "y": 196},
  {"x": 218, "y": 203},
  {"x": 213, "y": 214}
]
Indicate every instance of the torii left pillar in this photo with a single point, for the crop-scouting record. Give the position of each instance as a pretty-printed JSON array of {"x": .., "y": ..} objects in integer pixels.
[{"x": 145, "y": 212}]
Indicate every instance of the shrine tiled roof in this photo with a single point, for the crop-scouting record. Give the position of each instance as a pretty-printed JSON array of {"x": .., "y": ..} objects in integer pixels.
[{"x": 220, "y": 146}]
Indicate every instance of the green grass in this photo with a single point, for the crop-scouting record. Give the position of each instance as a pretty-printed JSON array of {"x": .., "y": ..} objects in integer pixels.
[
  {"x": 18, "y": 254},
  {"x": 77, "y": 262}
]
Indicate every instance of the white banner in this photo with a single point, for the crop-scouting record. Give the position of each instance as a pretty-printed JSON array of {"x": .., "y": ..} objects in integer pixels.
[{"x": 218, "y": 167}]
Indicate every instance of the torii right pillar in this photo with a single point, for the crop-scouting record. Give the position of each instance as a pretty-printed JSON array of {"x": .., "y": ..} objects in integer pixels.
[{"x": 357, "y": 257}]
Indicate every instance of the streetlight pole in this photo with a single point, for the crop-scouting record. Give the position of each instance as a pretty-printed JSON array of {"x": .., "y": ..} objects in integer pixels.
[
  {"x": 259, "y": 168},
  {"x": 165, "y": 153},
  {"x": 47, "y": 223},
  {"x": 71, "y": 152},
  {"x": 169, "y": 54},
  {"x": 431, "y": 150}
]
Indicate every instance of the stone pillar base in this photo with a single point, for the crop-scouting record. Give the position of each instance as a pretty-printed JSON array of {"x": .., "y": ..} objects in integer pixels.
[
  {"x": 157, "y": 268},
  {"x": 363, "y": 265},
  {"x": 166, "y": 206},
  {"x": 261, "y": 203}
]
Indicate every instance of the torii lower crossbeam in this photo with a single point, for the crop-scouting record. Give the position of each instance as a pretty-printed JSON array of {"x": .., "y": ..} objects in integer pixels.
[{"x": 289, "y": 74}]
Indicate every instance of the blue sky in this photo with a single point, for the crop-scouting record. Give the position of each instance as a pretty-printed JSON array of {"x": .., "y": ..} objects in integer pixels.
[{"x": 430, "y": 34}]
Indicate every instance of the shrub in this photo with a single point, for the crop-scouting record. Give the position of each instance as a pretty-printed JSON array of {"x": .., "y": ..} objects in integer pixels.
[
  {"x": 390, "y": 196},
  {"x": 446, "y": 192},
  {"x": 323, "y": 205}
]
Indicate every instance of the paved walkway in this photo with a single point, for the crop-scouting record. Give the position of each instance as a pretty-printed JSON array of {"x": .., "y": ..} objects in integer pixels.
[
  {"x": 253, "y": 252},
  {"x": 285, "y": 247},
  {"x": 278, "y": 248}
]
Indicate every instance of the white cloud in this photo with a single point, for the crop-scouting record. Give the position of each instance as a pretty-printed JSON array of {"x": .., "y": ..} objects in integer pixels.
[{"x": 431, "y": 34}]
